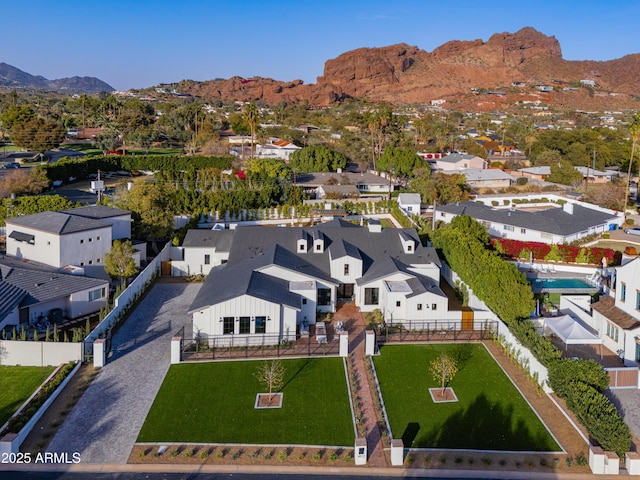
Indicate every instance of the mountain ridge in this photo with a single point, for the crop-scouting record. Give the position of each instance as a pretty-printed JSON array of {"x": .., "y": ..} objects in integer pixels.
[
  {"x": 454, "y": 71},
  {"x": 13, "y": 77}
]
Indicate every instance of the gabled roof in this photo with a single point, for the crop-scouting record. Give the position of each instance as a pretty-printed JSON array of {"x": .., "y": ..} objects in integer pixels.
[
  {"x": 342, "y": 248},
  {"x": 409, "y": 198},
  {"x": 226, "y": 282},
  {"x": 10, "y": 298},
  {"x": 43, "y": 286},
  {"x": 57, "y": 222},
  {"x": 456, "y": 157},
  {"x": 552, "y": 220}
]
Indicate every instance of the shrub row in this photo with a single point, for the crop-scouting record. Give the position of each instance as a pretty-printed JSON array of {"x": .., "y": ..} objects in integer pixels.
[
  {"x": 66, "y": 167},
  {"x": 544, "y": 251}
]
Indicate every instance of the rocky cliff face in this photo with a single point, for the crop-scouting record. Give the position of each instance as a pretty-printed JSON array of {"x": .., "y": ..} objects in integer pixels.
[{"x": 405, "y": 74}]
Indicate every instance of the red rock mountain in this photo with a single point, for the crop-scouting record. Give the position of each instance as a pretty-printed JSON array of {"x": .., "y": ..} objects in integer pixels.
[{"x": 406, "y": 74}]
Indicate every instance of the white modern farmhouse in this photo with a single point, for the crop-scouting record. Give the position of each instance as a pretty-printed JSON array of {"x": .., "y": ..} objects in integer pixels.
[{"x": 267, "y": 282}]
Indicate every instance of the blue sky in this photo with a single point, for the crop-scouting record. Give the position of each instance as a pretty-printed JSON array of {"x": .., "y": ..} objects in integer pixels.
[{"x": 140, "y": 43}]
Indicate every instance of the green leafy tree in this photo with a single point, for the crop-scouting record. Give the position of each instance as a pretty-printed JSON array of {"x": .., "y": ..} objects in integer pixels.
[
  {"x": 443, "y": 369},
  {"x": 16, "y": 114},
  {"x": 403, "y": 161},
  {"x": 107, "y": 140},
  {"x": 564, "y": 173},
  {"x": 151, "y": 209},
  {"x": 37, "y": 135},
  {"x": 317, "y": 159},
  {"x": 252, "y": 118},
  {"x": 119, "y": 262},
  {"x": 634, "y": 133}
]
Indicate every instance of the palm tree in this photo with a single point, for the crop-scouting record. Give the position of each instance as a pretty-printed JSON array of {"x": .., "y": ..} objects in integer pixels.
[
  {"x": 252, "y": 115},
  {"x": 634, "y": 133}
]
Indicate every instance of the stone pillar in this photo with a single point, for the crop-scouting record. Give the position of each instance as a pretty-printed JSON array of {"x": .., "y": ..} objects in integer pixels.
[
  {"x": 397, "y": 452},
  {"x": 344, "y": 344},
  {"x": 596, "y": 460},
  {"x": 176, "y": 353},
  {"x": 370, "y": 343},
  {"x": 360, "y": 456},
  {"x": 99, "y": 353},
  {"x": 632, "y": 463}
]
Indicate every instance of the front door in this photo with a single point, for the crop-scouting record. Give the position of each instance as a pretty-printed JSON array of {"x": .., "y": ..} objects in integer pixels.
[{"x": 345, "y": 292}]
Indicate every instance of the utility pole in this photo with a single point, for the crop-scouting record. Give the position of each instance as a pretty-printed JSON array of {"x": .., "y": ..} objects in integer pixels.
[{"x": 390, "y": 176}]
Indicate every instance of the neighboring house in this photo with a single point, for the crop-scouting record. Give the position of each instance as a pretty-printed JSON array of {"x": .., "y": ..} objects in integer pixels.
[
  {"x": 459, "y": 161},
  {"x": 277, "y": 279},
  {"x": 31, "y": 294},
  {"x": 551, "y": 225},
  {"x": 281, "y": 149},
  {"x": 485, "y": 178},
  {"x": 119, "y": 219},
  {"x": 366, "y": 183},
  {"x": 336, "y": 192},
  {"x": 409, "y": 203},
  {"x": 535, "y": 173},
  {"x": 58, "y": 239}
]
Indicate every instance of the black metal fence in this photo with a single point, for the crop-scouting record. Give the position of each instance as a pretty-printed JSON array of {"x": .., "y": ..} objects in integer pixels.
[
  {"x": 435, "y": 331},
  {"x": 225, "y": 347}
]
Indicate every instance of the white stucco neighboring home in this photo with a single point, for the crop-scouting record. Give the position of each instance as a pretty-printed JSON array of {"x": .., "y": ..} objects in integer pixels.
[
  {"x": 459, "y": 161},
  {"x": 30, "y": 294},
  {"x": 58, "y": 239},
  {"x": 277, "y": 279},
  {"x": 201, "y": 250},
  {"x": 552, "y": 224},
  {"x": 409, "y": 203},
  {"x": 281, "y": 149}
]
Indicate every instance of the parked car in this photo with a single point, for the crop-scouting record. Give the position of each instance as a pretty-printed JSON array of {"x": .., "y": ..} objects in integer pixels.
[
  {"x": 632, "y": 231},
  {"x": 11, "y": 165}
]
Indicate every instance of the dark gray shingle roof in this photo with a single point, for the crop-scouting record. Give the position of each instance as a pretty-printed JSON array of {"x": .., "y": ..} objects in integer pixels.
[
  {"x": 97, "y": 211},
  {"x": 553, "y": 220},
  {"x": 10, "y": 298},
  {"x": 57, "y": 222},
  {"x": 43, "y": 286}
]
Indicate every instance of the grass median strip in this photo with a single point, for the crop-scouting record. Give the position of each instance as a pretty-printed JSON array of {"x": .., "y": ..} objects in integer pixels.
[{"x": 16, "y": 385}]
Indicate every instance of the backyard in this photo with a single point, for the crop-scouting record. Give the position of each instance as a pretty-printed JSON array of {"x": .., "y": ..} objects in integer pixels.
[
  {"x": 16, "y": 385},
  {"x": 490, "y": 413},
  {"x": 214, "y": 403}
]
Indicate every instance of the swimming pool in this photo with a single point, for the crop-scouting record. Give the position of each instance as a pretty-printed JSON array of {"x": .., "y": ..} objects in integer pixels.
[{"x": 558, "y": 284}]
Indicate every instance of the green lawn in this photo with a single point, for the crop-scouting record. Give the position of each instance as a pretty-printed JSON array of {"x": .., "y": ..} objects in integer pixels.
[
  {"x": 490, "y": 413},
  {"x": 214, "y": 403},
  {"x": 16, "y": 385}
]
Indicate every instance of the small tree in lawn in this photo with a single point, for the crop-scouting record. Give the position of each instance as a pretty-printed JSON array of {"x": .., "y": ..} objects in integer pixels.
[
  {"x": 444, "y": 369},
  {"x": 271, "y": 375}
]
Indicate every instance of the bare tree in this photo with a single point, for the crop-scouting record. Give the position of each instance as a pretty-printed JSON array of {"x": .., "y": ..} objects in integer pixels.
[
  {"x": 271, "y": 375},
  {"x": 444, "y": 369}
]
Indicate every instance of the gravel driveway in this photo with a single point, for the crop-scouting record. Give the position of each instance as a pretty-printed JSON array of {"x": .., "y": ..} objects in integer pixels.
[{"x": 106, "y": 421}]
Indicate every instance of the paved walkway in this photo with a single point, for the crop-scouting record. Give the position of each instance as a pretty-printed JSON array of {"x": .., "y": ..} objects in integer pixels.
[
  {"x": 356, "y": 326},
  {"x": 627, "y": 401},
  {"x": 106, "y": 421}
]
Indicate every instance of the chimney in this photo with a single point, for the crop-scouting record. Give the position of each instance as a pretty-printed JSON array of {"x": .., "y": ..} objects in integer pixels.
[{"x": 568, "y": 208}]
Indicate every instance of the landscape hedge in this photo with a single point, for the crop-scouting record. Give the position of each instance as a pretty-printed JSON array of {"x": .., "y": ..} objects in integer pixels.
[{"x": 514, "y": 249}]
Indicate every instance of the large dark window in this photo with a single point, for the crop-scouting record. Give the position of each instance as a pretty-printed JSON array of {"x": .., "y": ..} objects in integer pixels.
[
  {"x": 245, "y": 324},
  {"x": 228, "y": 325},
  {"x": 371, "y": 296},
  {"x": 261, "y": 324},
  {"x": 324, "y": 296}
]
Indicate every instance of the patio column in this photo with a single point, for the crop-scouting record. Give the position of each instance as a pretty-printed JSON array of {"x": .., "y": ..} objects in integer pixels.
[
  {"x": 344, "y": 344},
  {"x": 99, "y": 353},
  {"x": 370, "y": 343}
]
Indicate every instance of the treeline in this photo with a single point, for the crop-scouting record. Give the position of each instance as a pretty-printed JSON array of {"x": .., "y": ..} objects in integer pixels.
[
  {"x": 67, "y": 168},
  {"x": 466, "y": 248}
]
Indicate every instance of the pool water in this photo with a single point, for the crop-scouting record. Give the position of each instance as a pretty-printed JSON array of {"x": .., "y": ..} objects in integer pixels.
[{"x": 561, "y": 283}]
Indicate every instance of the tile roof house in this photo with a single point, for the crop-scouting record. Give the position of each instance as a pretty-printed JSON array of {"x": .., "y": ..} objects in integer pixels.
[
  {"x": 275, "y": 279},
  {"x": 551, "y": 225}
]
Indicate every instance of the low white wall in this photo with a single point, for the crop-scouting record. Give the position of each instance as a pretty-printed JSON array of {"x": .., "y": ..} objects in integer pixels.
[
  {"x": 39, "y": 354},
  {"x": 522, "y": 354},
  {"x": 13, "y": 444},
  {"x": 128, "y": 295}
]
